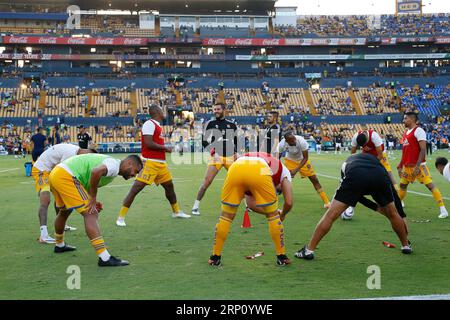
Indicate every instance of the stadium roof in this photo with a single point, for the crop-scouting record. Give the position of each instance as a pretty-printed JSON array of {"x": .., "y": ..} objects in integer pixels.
[{"x": 228, "y": 7}]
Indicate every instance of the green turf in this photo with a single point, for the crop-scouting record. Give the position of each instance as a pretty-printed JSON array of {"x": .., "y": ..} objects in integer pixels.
[{"x": 169, "y": 257}]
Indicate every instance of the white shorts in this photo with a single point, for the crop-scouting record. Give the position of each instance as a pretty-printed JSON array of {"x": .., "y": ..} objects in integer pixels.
[{"x": 338, "y": 145}]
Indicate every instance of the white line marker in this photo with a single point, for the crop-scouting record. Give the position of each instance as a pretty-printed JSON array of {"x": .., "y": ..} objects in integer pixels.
[{"x": 6, "y": 170}]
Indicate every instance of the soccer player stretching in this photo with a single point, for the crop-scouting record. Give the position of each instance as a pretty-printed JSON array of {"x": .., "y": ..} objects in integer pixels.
[
  {"x": 362, "y": 174},
  {"x": 413, "y": 165},
  {"x": 74, "y": 185},
  {"x": 155, "y": 167},
  {"x": 296, "y": 160},
  {"x": 256, "y": 176},
  {"x": 41, "y": 171},
  {"x": 371, "y": 143}
]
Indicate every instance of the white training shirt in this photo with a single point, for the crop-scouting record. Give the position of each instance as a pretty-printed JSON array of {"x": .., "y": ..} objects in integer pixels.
[
  {"x": 285, "y": 174},
  {"x": 294, "y": 153},
  {"x": 148, "y": 128},
  {"x": 54, "y": 155},
  {"x": 376, "y": 139},
  {"x": 446, "y": 171},
  {"x": 420, "y": 134}
]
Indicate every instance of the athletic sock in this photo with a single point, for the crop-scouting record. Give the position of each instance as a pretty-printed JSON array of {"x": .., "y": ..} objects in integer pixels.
[
  {"x": 323, "y": 196},
  {"x": 276, "y": 230},
  {"x": 402, "y": 193},
  {"x": 307, "y": 251},
  {"x": 175, "y": 207},
  {"x": 196, "y": 205},
  {"x": 44, "y": 232},
  {"x": 437, "y": 197},
  {"x": 59, "y": 240},
  {"x": 123, "y": 212},
  {"x": 220, "y": 235},
  {"x": 100, "y": 248}
]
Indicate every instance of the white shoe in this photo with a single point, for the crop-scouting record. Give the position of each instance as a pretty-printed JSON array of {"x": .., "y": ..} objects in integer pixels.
[
  {"x": 348, "y": 214},
  {"x": 180, "y": 214},
  {"x": 47, "y": 239},
  {"x": 120, "y": 222},
  {"x": 69, "y": 228},
  {"x": 403, "y": 204},
  {"x": 195, "y": 212},
  {"x": 443, "y": 214}
]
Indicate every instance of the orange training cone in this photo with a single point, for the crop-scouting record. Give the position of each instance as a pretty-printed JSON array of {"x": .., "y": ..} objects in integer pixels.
[{"x": 246, "y": 222}]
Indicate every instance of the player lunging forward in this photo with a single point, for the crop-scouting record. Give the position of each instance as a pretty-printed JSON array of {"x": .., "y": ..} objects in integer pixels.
[
  {"x": 74, "y": 184},
  {"x": 220, "y": 135},
  {"x": 297, "y": 160},
  {"x": 362, "y": 174},
  {"x": 155, "y": 167}
]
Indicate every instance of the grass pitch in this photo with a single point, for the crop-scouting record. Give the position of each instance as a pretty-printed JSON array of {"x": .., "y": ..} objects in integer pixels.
[{"x": 169, "y": 257}]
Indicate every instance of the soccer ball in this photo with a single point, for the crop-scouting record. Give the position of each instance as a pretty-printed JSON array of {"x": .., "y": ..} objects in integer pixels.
[{"x": 348, "y": 214}]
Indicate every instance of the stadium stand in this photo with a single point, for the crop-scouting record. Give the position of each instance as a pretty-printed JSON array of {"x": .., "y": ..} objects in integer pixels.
[{"x": 408, "y": 25}]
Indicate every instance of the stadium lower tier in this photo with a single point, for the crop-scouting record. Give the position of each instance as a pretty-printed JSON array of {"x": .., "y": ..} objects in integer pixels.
[
  {"x": 130, "y": 134},
  {"x": 122, "y": 102}
]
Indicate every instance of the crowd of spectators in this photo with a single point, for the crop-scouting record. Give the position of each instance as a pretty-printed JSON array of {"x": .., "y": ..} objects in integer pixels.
[{"x": 389, "y": 25}]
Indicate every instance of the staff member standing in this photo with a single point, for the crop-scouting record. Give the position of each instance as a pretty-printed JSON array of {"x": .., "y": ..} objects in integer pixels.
[
  {"x": 38, "y": 143},
  {"x": 272, "y": 136},
  {"x": 83, "y": 138}
]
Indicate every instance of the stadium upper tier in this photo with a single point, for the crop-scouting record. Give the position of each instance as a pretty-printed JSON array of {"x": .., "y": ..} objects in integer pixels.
[
  {"x": 310, "y": 26},
  {"x": 127, "y": 102},
  {"x": 385, "y": 25}
]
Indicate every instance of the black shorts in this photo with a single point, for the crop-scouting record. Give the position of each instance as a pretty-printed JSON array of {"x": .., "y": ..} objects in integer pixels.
[{"x": 360, "y": 182}]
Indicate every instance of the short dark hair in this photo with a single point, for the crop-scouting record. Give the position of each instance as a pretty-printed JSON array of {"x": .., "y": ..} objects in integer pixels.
[
  {"x": 135, "y": 159},
  {"x": 361, "y": 139},
  {"x": 412, "y": 113},
  {"x": 440, "y": 161},
  {"x": 275, "y": 113},
  {"x": 288, "y": 133},
  {"x": 152, "y": 109},
  {"x": 220, "y": 104}
]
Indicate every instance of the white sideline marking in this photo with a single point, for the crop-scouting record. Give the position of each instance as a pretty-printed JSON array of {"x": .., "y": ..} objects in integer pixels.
[
  {"x": 409, "y": 191},
  {"x": 6, "y": 170},
  {"x": 420, "y": 297}
]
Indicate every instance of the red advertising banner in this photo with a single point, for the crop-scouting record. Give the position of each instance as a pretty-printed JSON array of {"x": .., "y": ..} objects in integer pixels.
[
  {"x": 283, "y": 42},
  {"x": 45, "y": 40},
  {"x": 224, "y": 42}
]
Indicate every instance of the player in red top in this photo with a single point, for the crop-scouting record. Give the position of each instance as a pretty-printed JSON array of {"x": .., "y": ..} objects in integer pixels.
[
  {"x": 371, "y": 143},
  {"x": 155, "y": 168},
  {"x": 413, "y": 165}
]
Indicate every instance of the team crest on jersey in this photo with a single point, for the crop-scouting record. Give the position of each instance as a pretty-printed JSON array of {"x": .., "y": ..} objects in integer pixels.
[{"x": 405, "y": 142}]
